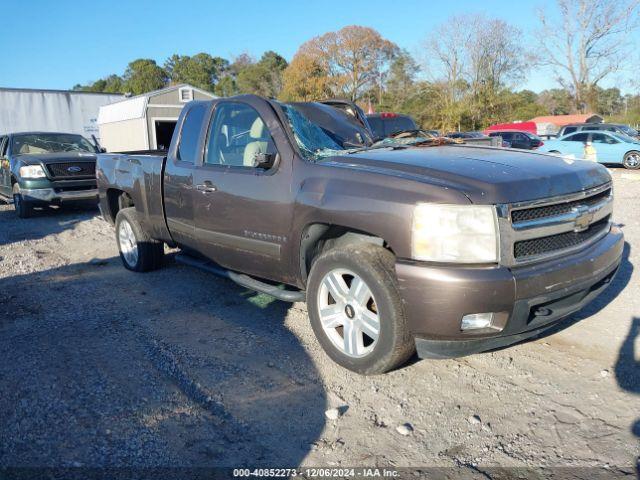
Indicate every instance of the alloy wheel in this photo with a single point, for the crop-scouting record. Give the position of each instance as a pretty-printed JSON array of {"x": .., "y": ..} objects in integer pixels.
[
  {"x": 128, "y": 243},
  {"x": 632, "y": 160},
  {"x": 348, "y": 313}
]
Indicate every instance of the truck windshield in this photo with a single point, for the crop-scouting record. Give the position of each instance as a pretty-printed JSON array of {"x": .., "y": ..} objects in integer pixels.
[
  {"x": 313, "y": 141},
  {"x": 50, "y": 143},
  {"x": 323, "y": 131}
]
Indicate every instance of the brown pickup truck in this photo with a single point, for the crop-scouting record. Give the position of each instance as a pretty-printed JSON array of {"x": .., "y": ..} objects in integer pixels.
[{"x": 443, "y": 249}]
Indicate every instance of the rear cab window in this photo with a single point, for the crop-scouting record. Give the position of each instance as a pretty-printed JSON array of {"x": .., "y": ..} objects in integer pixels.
[
  {"x": 578, "y": 137},
  {"x": 386, "y": 124},
  {"x": 190, "y": 133},
  {"x": 397, "y": 124}
]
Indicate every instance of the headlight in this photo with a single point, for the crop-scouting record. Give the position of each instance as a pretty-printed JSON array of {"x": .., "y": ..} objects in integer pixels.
[
  {"x": 455, "y": 233},
  {"x": 32, "y": 171}
]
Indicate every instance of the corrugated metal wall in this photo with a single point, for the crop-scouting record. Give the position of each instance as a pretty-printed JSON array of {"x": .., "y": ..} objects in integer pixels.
[{"x": 33, "y": 110}]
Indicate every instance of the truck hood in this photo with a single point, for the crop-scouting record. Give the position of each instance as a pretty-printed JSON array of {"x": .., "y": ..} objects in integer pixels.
[
  {"x": 485, "y": 175},
  {"x": 60, "y": 157}
]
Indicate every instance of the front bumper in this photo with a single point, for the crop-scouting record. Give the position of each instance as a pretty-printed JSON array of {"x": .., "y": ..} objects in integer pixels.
[
  {"x": 526, "y": 300},
  {"x": 58, "y": 195}
]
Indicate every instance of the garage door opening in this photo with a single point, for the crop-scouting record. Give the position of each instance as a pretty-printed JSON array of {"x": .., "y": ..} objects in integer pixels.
[{"x": 164, "y": 131}]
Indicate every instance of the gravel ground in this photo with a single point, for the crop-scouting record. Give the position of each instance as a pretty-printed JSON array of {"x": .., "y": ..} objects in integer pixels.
[{"x": 103, "y": 367}]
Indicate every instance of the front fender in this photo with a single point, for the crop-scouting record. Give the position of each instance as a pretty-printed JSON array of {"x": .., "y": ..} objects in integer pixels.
[{"x": 372, "y": 203}]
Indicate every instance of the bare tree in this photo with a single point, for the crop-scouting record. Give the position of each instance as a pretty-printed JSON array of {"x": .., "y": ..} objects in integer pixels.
[
  {"x": 587, "y": 43},
  {"x": 473, "y": 57},
  {"x": 496, "y": 59},
  {"x": 447, "y": 63}
]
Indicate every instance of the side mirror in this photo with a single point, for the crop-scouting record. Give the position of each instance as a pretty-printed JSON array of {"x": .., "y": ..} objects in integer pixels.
[
  {"x": 264, "y": 160},
  {"x": 103, "y": 150}
]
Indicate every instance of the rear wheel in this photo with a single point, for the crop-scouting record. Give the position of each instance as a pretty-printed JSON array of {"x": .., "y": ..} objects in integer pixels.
[
  {"x": 356, "y": 311},
  {"x": 631, "y": 160},
  {"x": 138, "y": 251},
  {"x": 24, "y": 209}
]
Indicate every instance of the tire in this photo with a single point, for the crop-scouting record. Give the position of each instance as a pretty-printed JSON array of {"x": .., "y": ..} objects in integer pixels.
[
  {"x": 24, "y": 209},
  {"x": 360, "y": 267},
  {"x": 631, "y": 160},
  {"x": 138, "y": 251}
]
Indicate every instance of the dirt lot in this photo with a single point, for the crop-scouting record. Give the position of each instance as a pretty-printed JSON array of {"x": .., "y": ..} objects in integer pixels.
[{"x": 104, "y": 367}]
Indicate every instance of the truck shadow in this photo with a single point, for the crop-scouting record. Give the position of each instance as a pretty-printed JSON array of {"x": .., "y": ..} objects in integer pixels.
[
  {"x": 170, "y": 368},
  {"x": 45, "y": 221},
  {"x": 627, "y": 371}
]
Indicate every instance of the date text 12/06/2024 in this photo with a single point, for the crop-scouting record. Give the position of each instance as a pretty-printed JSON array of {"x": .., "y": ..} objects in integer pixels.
[{"x": 316, "y": 472}]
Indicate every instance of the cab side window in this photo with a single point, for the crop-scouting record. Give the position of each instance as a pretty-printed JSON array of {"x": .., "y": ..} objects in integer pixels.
[
  {"x": 602, "y": 138},
  {"x": 569, "y": 130},
  {"x": 190, "y": 133},
  {"x": 236, "y": 135},
  {"x": 578, "y": 137}
]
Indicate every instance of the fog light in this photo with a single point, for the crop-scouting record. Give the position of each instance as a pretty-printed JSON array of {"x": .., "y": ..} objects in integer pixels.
[{"x": 475, "y": 321}]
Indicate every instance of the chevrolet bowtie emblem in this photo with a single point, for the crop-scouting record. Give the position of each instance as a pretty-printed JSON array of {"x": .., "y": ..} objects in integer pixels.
[{"x": 583, "y": 219}]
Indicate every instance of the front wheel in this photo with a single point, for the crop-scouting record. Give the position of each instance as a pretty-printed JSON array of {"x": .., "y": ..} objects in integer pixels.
[
  {"x": 631, "y": 160},
  {"x": 356, "y": 311},
  {"x": 23, "y": 207},
  {"x": 138, "y": 251}
]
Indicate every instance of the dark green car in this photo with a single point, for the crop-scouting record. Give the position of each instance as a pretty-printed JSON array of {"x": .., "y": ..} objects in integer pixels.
[{"x": 39, "y": 168}]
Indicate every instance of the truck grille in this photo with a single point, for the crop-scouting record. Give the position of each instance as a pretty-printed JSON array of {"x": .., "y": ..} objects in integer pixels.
[
  {"x": 543, "y": 229},
  {"x": 524, "y": 215},
  {"x": 72, "y": 169},
  {"x": 561, "y": 241}
]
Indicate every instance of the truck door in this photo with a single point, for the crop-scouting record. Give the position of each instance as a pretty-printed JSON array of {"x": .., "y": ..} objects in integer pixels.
[
  {"x": 178, "y": 176},
  {"x": 243, "y": 213}
]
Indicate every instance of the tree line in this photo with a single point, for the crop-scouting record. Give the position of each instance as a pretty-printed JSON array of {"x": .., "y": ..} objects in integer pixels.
[{"x": 465, "y": 77}]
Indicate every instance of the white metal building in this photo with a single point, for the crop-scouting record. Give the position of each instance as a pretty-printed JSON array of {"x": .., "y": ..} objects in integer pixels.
[
  {"x": 24, "y": 110},
  {"x": 147, "y": 121}
]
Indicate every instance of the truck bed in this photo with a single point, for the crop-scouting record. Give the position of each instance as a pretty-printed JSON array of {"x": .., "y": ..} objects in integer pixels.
[{"x": 140, "y": 177}]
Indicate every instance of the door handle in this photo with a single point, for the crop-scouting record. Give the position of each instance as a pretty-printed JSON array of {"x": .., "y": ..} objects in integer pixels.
[{"x": 206, "y": 188}]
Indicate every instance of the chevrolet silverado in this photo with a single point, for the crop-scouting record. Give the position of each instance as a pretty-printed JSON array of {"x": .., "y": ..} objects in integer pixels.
[{"x": 447, "y": 249}]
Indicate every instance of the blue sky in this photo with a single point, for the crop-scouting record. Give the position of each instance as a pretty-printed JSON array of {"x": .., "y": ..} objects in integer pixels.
[{"x": 56, "y": 44}]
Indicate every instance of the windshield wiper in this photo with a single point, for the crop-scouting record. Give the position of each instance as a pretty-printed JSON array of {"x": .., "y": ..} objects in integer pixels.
[{"x": 376, "y": 147}]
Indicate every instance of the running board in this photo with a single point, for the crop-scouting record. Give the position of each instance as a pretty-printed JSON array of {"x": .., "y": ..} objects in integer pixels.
[{"x": 242, "y": 279}]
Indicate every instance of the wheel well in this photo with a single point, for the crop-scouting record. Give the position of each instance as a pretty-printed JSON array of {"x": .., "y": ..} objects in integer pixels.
[
  {"x": 319, "y": 237},
  {"x": 117, "y": 200}
]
